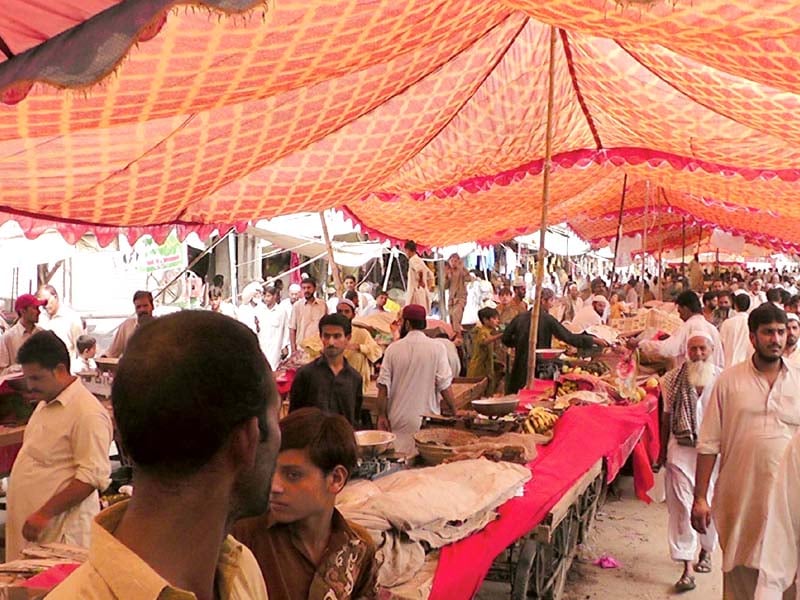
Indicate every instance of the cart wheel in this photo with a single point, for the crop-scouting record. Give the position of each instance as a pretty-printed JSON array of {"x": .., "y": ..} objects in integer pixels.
[
  {"x": 525, "y": 571},
  {"x": 565, "y": 541}
]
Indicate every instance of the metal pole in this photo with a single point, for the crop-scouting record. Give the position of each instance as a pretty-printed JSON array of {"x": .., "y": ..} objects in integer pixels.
[
  {"x": 337, "y": 282},
  {"x": 619, "y": 227},
  {"x": 234, "y": 280},
  {"x": 388, "y": 268},
  {"x": 534, "y": 329}
]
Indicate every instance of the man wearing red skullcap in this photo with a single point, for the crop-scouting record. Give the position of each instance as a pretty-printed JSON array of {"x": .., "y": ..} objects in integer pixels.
[
  {"x": 27, "y": 307},
  {"x": 414, "y": 372}
]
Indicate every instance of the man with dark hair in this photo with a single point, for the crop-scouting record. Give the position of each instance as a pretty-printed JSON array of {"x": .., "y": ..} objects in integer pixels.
[
  {"x": 414, "y": 372},
  {"x": 306, "y": 314},
  {"x": 734, "y": 332},
  {"x": 27, "y": 308},
  {"x": 304, "y": 546},
  {"x": 709, "y": 306},
  {"x": 60, "y": 319},
  {"x": 87, "y": 349},
  {"x": 792, "y": 350},
  {"x": 517, "y": 336},
  {"x": 274, "y": 328},
  {"x": 329, "y": 382},
  {"x": 362, "y": 301},
  {"x": 63, "y": 464},
  {"x": 420, "y": 278},
  {"x": 752, "y": 415},
  {"x": 691, "y": 313},
  {"x": 455, "y": 281},
  {"x": 143, "y": 305},
  {"x": 723, "y": 310},
  {"x": 774, "y": 296},
  {"x": 380, "y": 304},
  {"x": 196, "y": 407},
  {"x": 217, "y": 304},
  {"x": 793, "y": 305}
]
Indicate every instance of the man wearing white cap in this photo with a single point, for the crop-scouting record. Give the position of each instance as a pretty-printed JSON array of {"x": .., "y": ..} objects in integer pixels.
[
  {"x": 752, "y": 415},
  {"x": 572, "y": 302},
  {"x": 686, "y": 391},
  {"x": 792, "y": 350},
  {"x": 757, "y": 294},
  {"x": 295, "y": 291},
  {"x": 518, "y": 303},
  {"x": 589, "y": 315}
]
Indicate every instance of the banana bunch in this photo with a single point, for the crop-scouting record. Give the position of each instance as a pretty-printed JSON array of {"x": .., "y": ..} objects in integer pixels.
[
  {"x": 567, "y": 387},
  {"x": 540, "y": 420}
]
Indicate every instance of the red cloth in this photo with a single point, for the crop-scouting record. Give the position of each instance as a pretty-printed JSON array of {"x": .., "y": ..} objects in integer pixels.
[
  {"x": 284, "y": 382},
  {"x": 583, "y": 435},
  {"x": 8, "y": 454}
]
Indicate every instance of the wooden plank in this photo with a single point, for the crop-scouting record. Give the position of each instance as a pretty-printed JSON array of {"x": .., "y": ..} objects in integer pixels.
[
  {"x": 543, "y": 533},
  {"x": 464, "y": 391}
]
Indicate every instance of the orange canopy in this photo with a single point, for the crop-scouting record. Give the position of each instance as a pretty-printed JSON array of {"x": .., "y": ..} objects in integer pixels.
[{"x": 420, "y": 119}]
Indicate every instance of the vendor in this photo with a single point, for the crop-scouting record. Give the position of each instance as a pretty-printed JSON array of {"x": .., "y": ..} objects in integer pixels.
[
  {"x": 589, "y": 315},
  {"x": 517, "y": 335},
  {"x": 143, "y": 305}
]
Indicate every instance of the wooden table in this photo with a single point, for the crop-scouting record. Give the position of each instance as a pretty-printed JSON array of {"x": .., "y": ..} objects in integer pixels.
[{"x": 465, "y": 390}]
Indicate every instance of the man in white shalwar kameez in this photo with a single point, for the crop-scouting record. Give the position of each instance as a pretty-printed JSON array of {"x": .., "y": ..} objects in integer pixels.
[
  {"x": 680, "y": 425},
  {"x": 273, "y": 336},
  {"x": 420, "y": 278},
  {"x": 753, "y": 413},
  {"x": 735, "y": 334}
]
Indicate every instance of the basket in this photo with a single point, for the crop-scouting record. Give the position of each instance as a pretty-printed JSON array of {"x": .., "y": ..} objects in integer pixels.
[
  {"x": 437, "y": 444},
  {"x": 666, "y": 322}
]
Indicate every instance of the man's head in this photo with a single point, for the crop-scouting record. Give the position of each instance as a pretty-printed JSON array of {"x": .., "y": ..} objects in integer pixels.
[
  {"x": 489, "y": 317},
  {"x": 412, "y": 318},
  {"x": 294, "y": 292},
  {"x": 27, "y": 307},
  {"x": 309, "y": 288},
  {"x": 724, "y": 300},
  {"x": 710, "y": 301},
  {"x": 548, "y": 299},
  {"x": 454, "y": 260},
  {"x": 194, "y": 397},
  {"x": 520, "y": 288},
  {"x": 271, "y": 295},
  {"x": 349, "y": 283},
  {"x": 716, "y": 285},
  {"x": 774, "y": 296},
  {"x": 410, "y": 248},
  {"x": 792, "y": 330},
  {"x": 87, "y": 346},
  {"x": 45, "y": 363},
  {"x": 700, "y": 370},
  {"x": 381, "y": 298},
  {"x": 317, "y": 454},
  {"x": 688, "y": 304},
  {"x": 334, "y": 331},
  {"x": 252, "y": 293},
  {"x": 143, "y": 305},
  {"x": 793, "y": 305},
  {"x": 346, "y": 308},
  {"x": 352, "y": 296},
  {"x": 50, "y": 296},
  {"x": 599, "y": 304},
  {"x": 505, "y": 295},
  {"x": 572, "y": 291},
  {"x": 214, "y": 298},
  {"x": 767, "y": 325},
  {"x": 755, "y": 285},
  {"x": 741, "y": 302}
]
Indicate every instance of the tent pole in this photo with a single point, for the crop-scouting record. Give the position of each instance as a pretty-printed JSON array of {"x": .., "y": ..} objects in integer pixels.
[
  {"x": 683, "y": 245},
  {"x": 337, "y": 282},
  {"x": 534, "y": 329},
  {"x": 619, "y": 228},
  {"x": 644, "y": 240},
  {"x": 444, "y": 314},
  {"x": 388, "y": 269}
]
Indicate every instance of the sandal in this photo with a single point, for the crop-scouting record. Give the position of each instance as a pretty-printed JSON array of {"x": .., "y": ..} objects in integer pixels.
[
  {"x": 704, "y": 564},
  {"x": 685, "y": 583}
]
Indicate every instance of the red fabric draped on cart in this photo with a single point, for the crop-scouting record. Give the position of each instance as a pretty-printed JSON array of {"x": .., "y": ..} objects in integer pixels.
[{"x": 582, "y": 436}]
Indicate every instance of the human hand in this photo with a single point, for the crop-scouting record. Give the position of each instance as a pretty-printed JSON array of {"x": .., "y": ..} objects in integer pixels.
[
  {"x": 701, "y": 515},
  {"x": 383, "y": 423},
  {"x": 34, "y": 525},
  {"x": 353, "y": 346},
  {"x": 600, "y": 342}
]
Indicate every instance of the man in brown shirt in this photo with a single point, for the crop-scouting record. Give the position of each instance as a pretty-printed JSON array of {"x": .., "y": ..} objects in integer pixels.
[
  {"x": 456, "y": 277},
  {"x": 305, "y": 548}
]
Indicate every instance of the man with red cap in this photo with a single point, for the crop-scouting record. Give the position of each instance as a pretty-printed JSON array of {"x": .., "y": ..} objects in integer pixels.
[
  {"x": 414, "y": 372},
  {"x": 27, "y": 307}
]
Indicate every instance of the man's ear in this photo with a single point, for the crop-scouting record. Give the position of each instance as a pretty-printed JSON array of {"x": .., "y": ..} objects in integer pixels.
[
  {"x": 244, "y": 442},
  {"x": 337, "y": 479}
]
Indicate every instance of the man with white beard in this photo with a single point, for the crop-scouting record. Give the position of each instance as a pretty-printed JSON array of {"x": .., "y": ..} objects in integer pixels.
[{"x": 686, "y": 390}]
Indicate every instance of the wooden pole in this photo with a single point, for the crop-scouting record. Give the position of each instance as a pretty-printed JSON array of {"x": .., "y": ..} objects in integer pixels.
[
  {"x": 644, "y": 238},
  {"x": 548, "y": 153},
  {"x": 683, "y": 245},
  {"x": 619, "y": 228},
  {"x": 337, "y": 282},
  {"x": 444, "y": 314}
]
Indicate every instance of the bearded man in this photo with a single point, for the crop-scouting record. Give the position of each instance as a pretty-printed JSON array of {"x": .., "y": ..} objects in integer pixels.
[
  {"x": 686, "y": 391},
  {"x": 573, "y": 303},
  {"x": 792, "y": 352},
  {"x": 753, "y": 413}
]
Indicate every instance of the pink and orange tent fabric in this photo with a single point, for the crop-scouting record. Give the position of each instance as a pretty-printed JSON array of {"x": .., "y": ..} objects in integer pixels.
[{"x": 420, "y": 119}]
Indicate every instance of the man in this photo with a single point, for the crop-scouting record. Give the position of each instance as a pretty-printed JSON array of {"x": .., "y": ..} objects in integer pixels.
[
  {"x": 752, "y": 414},
  {"x": 757, "y": 295},
  {"x": 455, "y": 281},
  {"x": 413, "y": 374},
  {"x": 589, "y": 315},
  {"x": 573, "y": 303},
  {"x": 517, "y": 336},
  {"x": 723, "y": 310},
  {"x": 735, "y": 333},
  {"x": 218, "y": 305},
  {"x": 251, "y": 308},
  {"x": 696, "y": 274},
  {"x": 329, "y": 382},
  {"x": 63, "y": 464},
  {"x": 691, "y": 312},
  {"x": 709, "y": 306},
  {"x": 779, "y": 555},
  {"x": 304, "y": 546},
  {"x": 631, "y": 297},
  {"x": 274, "y": 335},
  {"x": 27, "y": 309},
  {"x": 60, "y": 319},
  {"x": 196, "y": 407},
  {"x": 364, "y": 301},
  {"x": 420, "y": 278},
  {"x": 380, "y": 304},
  {"x": 504, "y": 306},
  {"x": 517, "y": 304},
  {"x": 793, "y": 305},
  {"x": 686, "y": 391},
  {"x": 361, "y": 352},
  {"x": 295, "y": 291},
  {"x": 306, "y": 314},
  {"x": 143, "y": 306},
  {"x": 716, "y": 286},
  {"x": 792, "y": 351},
  {"x": 774, "y": 296}
]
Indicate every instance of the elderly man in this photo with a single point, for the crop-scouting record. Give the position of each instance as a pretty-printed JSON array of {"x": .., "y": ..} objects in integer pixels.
[
  {"x": 691, "y": 312},
  {"x": 735, "y": 334},
  {"x": 60, "y": 319},
  {"x": 143, "y": 305},
  {"x": 414, "y": 373},
  {"x": 27, "y": 308},
  {"x": 306, "y": 314},
  {"x": 757, "y": 294},
  {"x": 686, "y": 391},
  {"x": 752, "y": 415},
  {"x": 589, "y": 315},
  {"x": 295, "y": 291},
  {"x": 573, "y": 303}
]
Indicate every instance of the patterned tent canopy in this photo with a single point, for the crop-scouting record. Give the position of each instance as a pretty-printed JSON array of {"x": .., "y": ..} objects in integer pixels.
[{"x": 420, "y": 119}]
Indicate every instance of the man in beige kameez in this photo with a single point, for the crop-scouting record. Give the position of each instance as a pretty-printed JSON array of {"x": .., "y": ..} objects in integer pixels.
[
  {"x": 420, "y": 278},
  {"x": 753, "y": 413},
  {"x": 63, "y": 464},
  {"x": 456, "y": 277}
]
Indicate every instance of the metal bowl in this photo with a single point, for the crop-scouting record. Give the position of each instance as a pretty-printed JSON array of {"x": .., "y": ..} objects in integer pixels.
[
  {"x": 549, "y": 353},
  {"x": 373, "y": 442},
  {"x": 495, "y": 407}
]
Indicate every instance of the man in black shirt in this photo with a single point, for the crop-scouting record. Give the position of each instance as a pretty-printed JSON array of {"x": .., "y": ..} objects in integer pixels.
[
  {"x": 329, "y": 382},
  {"x": 517, "y": 335}
]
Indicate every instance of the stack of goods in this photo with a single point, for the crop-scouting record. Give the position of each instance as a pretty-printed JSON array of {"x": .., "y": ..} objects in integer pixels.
[
  {"x": 441, "y": 445},
  {"x": 540, "y": 420}
]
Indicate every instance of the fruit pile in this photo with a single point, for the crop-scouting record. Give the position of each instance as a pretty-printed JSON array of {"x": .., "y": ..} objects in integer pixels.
[{"x": 540, "y": 420}]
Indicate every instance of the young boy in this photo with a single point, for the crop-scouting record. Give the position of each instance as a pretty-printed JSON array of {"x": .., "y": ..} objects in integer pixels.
[
  {"x": 483, "y": 339},
  {"x": 87, "y": 348},
  {"x": 305, "y": 548}
]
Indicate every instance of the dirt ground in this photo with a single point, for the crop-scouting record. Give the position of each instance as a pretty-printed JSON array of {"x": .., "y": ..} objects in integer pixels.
[{"x": 635, "y": 534}]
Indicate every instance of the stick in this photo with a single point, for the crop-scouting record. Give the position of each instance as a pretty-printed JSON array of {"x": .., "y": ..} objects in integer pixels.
[
  {"x": 619, "y": 228},
  {"x": 548, "y": 153},
  {"x": 337, "y": 282}
]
